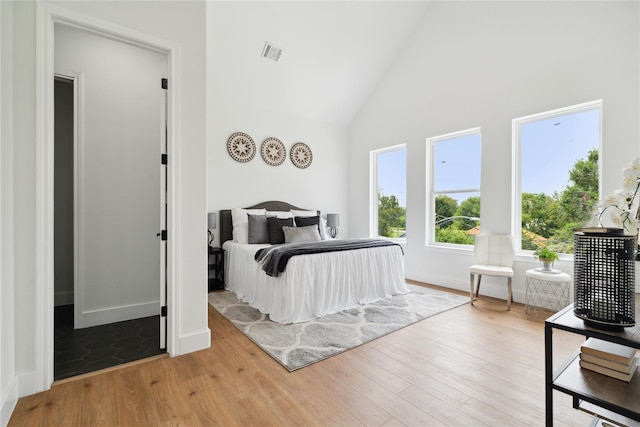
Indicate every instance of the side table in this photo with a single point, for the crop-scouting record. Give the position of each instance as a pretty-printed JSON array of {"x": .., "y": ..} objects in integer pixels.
[
  {"x": 607, "y": 398},
  {"x": 546, "y": 291},
  {"x": 216, "y": 268}
]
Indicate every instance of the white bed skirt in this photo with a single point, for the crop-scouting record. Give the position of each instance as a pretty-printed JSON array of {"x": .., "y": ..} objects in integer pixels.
[{"x": 315, "y": 285}]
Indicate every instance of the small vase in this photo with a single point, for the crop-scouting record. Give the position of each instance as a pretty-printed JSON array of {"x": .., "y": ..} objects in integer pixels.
[{"x": 547, "y": 265}]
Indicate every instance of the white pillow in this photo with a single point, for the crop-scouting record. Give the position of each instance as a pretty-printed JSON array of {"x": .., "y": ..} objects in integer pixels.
[
  {"x": 323, "y": 222},
  {"x": 301, "y": 234},
  {"x": 280, "y": 214},
  {"x": 240, "y": 222}
]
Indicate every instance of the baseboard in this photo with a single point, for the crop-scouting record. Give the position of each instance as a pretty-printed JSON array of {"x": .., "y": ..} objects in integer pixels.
[
  {"x": 193, "y": 342},
  {"x": 498, "y": 291},
  {"x": 27, "y": 384},
  {"x": 63, "y": 298},
  {"x": 119, "y": 314},
  {"x": 491, "y": 287},
  {"x": 9, "y": 401}
]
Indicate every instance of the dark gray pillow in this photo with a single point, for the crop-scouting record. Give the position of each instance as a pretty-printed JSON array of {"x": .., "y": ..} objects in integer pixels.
[
  {"x": 258, "y": 229},
  {"x": 305, "y": 221},
  {"x": 276, "y": 235}
]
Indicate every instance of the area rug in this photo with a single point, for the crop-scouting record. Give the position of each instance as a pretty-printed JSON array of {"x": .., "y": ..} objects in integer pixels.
[{"x": 298, "y": 345}]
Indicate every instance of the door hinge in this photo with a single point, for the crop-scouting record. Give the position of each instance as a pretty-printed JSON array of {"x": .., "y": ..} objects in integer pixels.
[
  {"x": 163, "y": 159},
  {"x": 163, "y": 311},
  {"x": 165, "y": 83},
  {"x": 163, "y": 235}
]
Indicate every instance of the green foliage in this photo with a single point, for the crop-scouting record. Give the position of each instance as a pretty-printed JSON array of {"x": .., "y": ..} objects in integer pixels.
[
  {"x": 528, "y": 242},
  {"x": 391, "y": 216},
  {"x": 547, "y": 220},
  {"x": 449, "y": 235},
  {"x": 446, "y": 207},
  {"x": 461, "y": 220},
  {"x": 554, "y": 217},
  {"x": 544, "y": 253},
  {"x": 579, "y": 199},
  {"x": 540, "y": 213},
  {"x": 469, "y": 208}
]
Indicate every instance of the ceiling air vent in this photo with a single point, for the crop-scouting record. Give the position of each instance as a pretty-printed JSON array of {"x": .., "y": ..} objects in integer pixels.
[{"x": 271, "y": 52}]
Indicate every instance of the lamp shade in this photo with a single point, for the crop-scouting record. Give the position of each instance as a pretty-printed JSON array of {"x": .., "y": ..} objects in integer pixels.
[
  {"x": 604, "y": 278},
  {"x": 333, "y": 220},
  {"x": 212, "y": 220}
]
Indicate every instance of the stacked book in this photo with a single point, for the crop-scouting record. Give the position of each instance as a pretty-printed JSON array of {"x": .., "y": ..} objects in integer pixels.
[{"x": 607, "y": 358}]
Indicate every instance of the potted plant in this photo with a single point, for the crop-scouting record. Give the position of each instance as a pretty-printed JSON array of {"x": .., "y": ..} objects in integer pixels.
[{"x": 546, "y": 257}]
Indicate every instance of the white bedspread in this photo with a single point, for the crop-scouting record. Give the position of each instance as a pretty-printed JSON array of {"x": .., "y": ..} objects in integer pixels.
[{"x": 314, "y": 285}]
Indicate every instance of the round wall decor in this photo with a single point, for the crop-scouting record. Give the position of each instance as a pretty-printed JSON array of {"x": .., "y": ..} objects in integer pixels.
[
  {"x": 241, "y": 147},
  {"x": 273, "y": 151},
  {"x": 301, "y": 155}
]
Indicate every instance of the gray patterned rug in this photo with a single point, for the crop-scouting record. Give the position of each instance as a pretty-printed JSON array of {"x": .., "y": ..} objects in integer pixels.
[{"x": 301, "y": 344}]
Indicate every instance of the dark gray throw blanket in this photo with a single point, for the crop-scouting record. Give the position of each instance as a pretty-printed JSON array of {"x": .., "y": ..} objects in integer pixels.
[{"x": 274, "y": 259}]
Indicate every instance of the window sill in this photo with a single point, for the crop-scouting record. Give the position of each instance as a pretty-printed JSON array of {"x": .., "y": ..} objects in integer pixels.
[
  {"x": 398, "y": 241},
  {"x": 449, "y": 248}
]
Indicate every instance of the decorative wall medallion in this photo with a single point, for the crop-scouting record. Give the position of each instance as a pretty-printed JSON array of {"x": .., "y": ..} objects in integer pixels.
[
  {"x": 273, "y": 151},
  {"x": 301, "y": 155},
  {"x": 241, "y": 147}
]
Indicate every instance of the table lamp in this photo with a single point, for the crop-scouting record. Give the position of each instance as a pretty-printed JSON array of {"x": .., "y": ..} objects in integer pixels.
[
  {"x": 212, "y": 225},
  {"x": 333, "y": 222}
]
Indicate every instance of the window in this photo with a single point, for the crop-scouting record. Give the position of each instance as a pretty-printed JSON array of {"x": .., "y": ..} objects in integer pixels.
[
  {"x": 454, "y": 183},
  {"x": 389, "y": 192},
  {"x": 556, "y": 175}
]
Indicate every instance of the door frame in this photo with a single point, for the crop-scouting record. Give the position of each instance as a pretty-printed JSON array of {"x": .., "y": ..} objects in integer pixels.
[
  {"x": 76, "y": 80},
  {"x": 47, "y": 16}
]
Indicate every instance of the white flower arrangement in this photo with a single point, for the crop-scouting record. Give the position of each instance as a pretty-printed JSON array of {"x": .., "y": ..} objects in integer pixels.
[{"x": 621, "y": 207}]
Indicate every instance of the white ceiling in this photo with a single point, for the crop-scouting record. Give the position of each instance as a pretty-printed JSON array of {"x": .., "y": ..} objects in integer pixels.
[{"x": 333, "y": 53}]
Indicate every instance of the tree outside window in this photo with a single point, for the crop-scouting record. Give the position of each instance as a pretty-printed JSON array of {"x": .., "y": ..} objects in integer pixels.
[
  {"x": 454, "y": 161},
  {"x": 392, "y": 218},
  {"x": 558, "y": 175},
  {"x": 389, "y": 183}
]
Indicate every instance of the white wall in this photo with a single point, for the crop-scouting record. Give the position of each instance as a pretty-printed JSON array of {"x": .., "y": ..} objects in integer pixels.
[
  {"x": 8, "y": 379},
  {"x": 323, "y": 185},
  {"x": 181, "y": 23},
  {"x": 121, "y": 110},
  {"x": 232, "y": 184},
  {"x": 24, "y": 191},
  {"x": 483, "y": 64}
]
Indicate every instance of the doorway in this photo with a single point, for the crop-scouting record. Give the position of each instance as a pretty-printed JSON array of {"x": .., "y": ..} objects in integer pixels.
[{"x": 109, "y": 267}]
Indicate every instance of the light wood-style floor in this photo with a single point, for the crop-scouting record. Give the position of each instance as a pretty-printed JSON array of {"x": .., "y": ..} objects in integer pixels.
[{"x": 470, "y": 366}]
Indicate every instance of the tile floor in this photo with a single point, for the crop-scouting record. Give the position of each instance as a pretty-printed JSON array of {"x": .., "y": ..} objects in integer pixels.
[{"x": 78, "y": 351}]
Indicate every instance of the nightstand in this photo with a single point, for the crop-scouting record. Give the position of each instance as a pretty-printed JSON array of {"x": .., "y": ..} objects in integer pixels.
[{"x": 216, "y": 268}]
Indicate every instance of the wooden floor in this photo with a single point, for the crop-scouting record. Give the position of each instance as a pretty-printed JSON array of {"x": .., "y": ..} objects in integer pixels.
[{"x": 470, "y": 366}]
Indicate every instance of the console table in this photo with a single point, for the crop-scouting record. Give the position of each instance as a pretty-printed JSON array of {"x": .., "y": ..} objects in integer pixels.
[{"x": 604, "y": 397}]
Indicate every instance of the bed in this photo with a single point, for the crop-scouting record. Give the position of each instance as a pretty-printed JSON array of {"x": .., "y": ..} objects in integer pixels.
[{"x": 311, "y": 285}]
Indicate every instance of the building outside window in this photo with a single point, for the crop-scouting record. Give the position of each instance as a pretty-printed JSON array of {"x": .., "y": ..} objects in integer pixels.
[
  {"x": 453, "y": 180},
  {"x": 389, "y": 192},
  {"x": 556, "y": 175}
]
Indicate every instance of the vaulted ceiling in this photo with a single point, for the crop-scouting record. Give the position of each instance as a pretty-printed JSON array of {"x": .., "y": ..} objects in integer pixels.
[{"x": 333, "y": 53}]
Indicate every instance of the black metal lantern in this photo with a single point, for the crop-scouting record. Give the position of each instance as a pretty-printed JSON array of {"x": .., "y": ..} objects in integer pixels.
[{"x": 604, "y": 277}]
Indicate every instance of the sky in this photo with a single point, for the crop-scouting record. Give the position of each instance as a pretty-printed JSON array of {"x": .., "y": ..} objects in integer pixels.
[
  {"x": 456, "y": 165},
  {"x": 392, "y": 173},
  {"x": 551, "y": 146}
]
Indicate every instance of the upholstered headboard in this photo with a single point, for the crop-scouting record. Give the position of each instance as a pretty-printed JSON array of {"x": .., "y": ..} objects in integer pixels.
[{"x": 226, "y": 223}]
